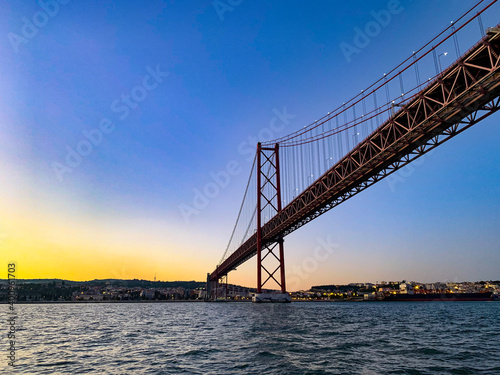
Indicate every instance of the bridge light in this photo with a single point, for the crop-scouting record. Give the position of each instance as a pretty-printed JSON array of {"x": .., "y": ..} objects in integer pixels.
[
  {"x": 492, "y": 30},
  {"x": 439, "y": 59}
]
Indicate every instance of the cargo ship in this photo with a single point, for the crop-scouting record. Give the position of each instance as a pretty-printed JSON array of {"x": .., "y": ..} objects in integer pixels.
[{"x": 485, "y": 296}]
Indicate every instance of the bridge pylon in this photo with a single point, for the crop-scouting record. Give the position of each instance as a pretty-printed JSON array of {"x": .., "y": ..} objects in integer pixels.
[{"x": 269, "y": 204}]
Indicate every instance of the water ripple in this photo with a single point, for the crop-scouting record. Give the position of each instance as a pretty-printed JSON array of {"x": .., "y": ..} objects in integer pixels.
[{"x": 232, "y": 338}]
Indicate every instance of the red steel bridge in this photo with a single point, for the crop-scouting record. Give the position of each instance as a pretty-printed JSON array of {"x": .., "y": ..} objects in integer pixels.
[{"x": 409, "y": 111}]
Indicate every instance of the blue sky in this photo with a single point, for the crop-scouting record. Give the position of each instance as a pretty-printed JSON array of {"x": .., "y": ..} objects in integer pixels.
[{"x": 228, "y": 76}]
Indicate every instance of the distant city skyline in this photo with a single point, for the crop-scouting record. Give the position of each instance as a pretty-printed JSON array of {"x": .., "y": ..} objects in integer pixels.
[
  {"x": 126, "y": 290},
  {"x": 114, "y": 118}
]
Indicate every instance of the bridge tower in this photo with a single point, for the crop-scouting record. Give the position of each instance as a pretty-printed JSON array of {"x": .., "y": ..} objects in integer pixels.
[{"x": 270, "y": 250}]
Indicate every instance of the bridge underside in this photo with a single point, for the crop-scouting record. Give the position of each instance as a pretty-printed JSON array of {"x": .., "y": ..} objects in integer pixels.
[{"x": 461, "y": 96}]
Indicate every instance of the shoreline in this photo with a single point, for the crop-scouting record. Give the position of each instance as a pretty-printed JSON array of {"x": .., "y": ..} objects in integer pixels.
[
  {"x": 89, "y": 302},
  {"x": 201, "y": 301}
]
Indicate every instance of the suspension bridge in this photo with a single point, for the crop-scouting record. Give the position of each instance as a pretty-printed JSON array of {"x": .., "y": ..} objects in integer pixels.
[{"x": 410, "y": 110}]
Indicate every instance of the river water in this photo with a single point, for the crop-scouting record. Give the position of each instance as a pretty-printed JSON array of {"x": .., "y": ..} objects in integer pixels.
[{"x": 246, "y": 338}]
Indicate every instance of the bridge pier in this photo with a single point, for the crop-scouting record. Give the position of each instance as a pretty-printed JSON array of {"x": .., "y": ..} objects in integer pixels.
[{"x": 217, "y": 288}]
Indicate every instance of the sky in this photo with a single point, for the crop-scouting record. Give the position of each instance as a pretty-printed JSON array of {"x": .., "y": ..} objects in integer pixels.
[{"x": 115, "y": 115}]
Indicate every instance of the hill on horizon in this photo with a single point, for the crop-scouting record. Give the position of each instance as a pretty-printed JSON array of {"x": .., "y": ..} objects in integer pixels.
[{"x": 116, "y": 282}]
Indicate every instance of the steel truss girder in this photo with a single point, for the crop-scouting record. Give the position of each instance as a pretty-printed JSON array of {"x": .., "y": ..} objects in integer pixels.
[
  {"x": 461, "y": 96},
  {"x": 457, "y": 94},
  {"x": 428, "y": 146}
]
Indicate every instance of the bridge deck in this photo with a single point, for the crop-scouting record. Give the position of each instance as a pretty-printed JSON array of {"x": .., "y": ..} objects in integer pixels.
[{"x": 461, "y": 95}]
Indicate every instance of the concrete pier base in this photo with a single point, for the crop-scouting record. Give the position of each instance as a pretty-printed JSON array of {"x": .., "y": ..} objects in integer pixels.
[{"x": 271, "y": 298}]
